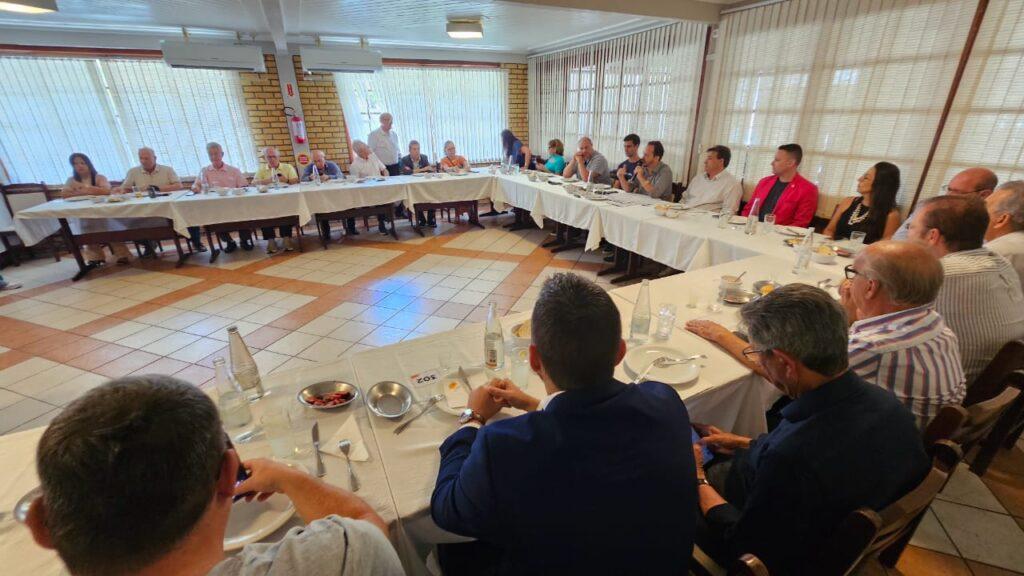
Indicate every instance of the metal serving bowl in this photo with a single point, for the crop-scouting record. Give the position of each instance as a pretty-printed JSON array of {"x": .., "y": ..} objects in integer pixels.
[
  {"x": 389, "y": 399},
  {"x": 739, "y": 297},
  {"x": 305, "y": 396}
]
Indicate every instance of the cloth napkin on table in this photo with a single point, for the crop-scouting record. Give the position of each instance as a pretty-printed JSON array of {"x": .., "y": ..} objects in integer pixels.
[{"x": 348, "y": 431}]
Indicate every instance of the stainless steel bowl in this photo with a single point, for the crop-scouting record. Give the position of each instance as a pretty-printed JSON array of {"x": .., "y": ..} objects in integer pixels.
[
  {"x": 762, "y": 283},
  {"x": 305, "y": 396},
  {"x": 738, "y": 297},
  {"x": 389, "y": 399}
]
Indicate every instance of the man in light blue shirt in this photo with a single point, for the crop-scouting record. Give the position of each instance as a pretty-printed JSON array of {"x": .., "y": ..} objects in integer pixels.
[{"x": 324, "y": 168}]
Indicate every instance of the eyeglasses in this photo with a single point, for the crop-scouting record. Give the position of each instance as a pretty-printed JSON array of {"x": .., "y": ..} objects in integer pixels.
[
  {"x": 755, "y": 354},
  {"x": 850, "y": 271},
  {"x": 946, "y": 189}
]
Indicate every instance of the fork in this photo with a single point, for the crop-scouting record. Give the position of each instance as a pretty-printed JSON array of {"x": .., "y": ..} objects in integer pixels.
[
  {"x": 345, "y": 446},
  {"x": 665, "y": 362},
  {"x": 643, "y": 375},
  {"x": 426, "y": 408}
]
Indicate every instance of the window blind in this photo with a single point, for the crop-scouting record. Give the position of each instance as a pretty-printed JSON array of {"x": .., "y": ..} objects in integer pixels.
[
  {"x": 644, "y": 83},
  {"x": 985, "y": 126},
  {"x": 852, "y": 81},
  {"x": 431, "y": 104}
]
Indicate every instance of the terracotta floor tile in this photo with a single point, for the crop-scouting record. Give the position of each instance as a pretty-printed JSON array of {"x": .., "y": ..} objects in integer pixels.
[
  {"x": 454, "y": 310},
  {"x": 12, "y": 357},
  {"x": 57, "y": 340},
  {"x": 510, "y": 289},
  {"x": 266, "y": 336},
  {"x": 195, "y": 374},
  {"x": 98, "y": 357},
  {"x": 137, "y": 310},
  {"x": 63, "y": 354},
  {"x": 567, "y": 264},
  {"x": 521, "y": 278},
  {"x": 126, "y": 364},
  {"x": 921, "y": 562},
  {"x": 165, "y": 366},
  {"x": 30, "y": 333},
  {"x": 503, "y": 302},
  {"x": 97, "y": 326}
]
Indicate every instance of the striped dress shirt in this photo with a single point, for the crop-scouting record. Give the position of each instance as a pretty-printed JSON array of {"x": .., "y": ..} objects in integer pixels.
[
  {"x": 912, "y": 354},
  {"x": 981, "y": 301}
]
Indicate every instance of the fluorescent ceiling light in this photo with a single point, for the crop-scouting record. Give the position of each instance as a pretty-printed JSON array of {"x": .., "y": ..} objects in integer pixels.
[
  {"x": 465, "y": 29},
  {"x": 29, "y": 6}
]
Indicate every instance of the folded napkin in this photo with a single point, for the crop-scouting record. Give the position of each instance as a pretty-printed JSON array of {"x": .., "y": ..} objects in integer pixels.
[{"x": 348, "y": 431}]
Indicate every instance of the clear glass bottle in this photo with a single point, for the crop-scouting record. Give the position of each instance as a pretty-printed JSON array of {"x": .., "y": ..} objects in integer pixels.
[
  {"x": 494, "y": 340},
  {"x": 315, "y": 175},
  {"x": 752, "y": 218},
  {"x": 803, "y": 253},
  {"x": 640, "y": 323},
  {"x": 243, "y": 367},
  {"x": 231, "y": 401},
  {"x": 204, "y": 183}
]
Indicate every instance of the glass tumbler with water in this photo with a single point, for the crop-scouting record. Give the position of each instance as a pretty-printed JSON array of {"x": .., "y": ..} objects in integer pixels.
[
  {"x": 640, "y": 323},
  {"x": 288, "y": 433},
  {"x": 519, "y": 366},
  {"x": 723, "y": 217},
  {"x": 231, "y": 401},
  {"x": 666, "y": 320},
  {"x": 769, "y": 224}
]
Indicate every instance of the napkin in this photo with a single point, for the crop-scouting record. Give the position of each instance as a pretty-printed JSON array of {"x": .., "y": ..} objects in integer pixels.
[
  {"x": 348, "y": 431},
  {"x": 456, "y": 394}
]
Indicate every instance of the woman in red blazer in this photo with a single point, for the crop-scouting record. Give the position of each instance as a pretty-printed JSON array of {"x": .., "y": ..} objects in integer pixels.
[{"x": 799, "y": 201}]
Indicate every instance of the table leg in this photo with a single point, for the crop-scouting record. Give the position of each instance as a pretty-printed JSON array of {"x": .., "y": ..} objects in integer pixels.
[
  {"x": 214, "y": 252},
  {"x": 621, "y": 258},
  {"x": 632, "y": 270},
  {"x": 414, "y": 221},
  {"x": 569, "y": 243},
  {"x": 559, "y": 236},
  {"x": 69, "y": 238},
  {"x": 474, "y": 215},
  {"x": 181, "y": 253},
  {"x": 300, "y": 234},
  {"x": 394, "y": 233}
]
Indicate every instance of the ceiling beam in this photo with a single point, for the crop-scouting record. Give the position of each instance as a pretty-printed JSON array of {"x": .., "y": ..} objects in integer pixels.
[
  {"x": 273, "y": 12},
  {"x": 678, "y": 9}
]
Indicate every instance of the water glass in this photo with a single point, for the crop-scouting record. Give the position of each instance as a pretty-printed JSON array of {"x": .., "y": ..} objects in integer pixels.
[
  {"x": 444, "y": 362},
  {"x": 289, "y": 434},
  {"x": 723, "y": 217},
  {"x": 519, "y": 366},
  {"x": 666, "y": 320},
  {"x": 691, "y": 298},
  {"x": 858, "y": 237},
  {"x": 769, "y": 224}
]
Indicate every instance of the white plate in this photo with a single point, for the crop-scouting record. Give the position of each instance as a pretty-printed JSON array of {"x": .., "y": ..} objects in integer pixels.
[
  {"x": 738, "y": 220},
  {"x": 638, "y": 359},
  {"x": 477, "y": 376},
  {"x": 78, "y": 198},
  {"x": 253, "y": 521}
]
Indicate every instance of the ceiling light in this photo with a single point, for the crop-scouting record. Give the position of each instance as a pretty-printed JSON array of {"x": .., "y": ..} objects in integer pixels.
[
  {"x": 465, "y": 29},
  {"x": 30, "y": 6}
]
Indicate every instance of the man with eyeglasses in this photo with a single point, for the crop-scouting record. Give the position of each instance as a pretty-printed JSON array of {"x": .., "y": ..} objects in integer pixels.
[
  {"x": 842, "y": 443},
  {"x": 975, "y": 181}
]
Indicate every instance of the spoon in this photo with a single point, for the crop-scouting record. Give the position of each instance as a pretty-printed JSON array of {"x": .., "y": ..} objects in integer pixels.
[
  {"x": 345, "y": 446},
  {"x": 740, "y": 277}
]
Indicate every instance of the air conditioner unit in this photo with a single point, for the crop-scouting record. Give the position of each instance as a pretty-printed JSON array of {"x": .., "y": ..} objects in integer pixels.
[
  {"x": 340, "y": 59},
  {"x": 216, "y": 56}
]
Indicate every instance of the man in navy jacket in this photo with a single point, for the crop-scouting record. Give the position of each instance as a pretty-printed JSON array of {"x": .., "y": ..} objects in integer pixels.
[{"x": 596, "y": 478}]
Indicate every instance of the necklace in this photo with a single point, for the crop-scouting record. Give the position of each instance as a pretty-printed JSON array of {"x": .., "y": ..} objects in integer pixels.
[{"x": 857, "y": 217}]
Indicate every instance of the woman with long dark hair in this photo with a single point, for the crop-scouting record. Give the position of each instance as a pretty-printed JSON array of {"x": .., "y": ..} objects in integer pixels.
[
  {"x": 510, "y": 145},
  {"x": 85, "y": 181},
  {"x": 874, "y": 211}
]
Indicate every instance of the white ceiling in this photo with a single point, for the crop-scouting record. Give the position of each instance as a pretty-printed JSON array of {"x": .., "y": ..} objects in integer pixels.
[{"x": 508, "y": 26}]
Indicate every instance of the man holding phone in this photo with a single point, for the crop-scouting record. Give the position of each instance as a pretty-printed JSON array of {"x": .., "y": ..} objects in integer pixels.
[{"x": 138, "y": 477}]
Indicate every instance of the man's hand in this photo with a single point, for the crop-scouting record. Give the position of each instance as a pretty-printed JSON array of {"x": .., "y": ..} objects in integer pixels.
[
  {"x": 698, "y": 457},
  {"x": 846, "y": 299},
  {"x": 483, "y": 403},
  {"x": 505, "y": 393},
  {"x": 708, "y": 330},
  {"x": 621, "y": 172},
  {"x": 724, "y": 442},
  {"x": 265, "y": 478}
]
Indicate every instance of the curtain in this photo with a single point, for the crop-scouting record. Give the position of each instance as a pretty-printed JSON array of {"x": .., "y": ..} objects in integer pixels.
[
  {"x": 645, "y": 83},
  {"x": 986, "y": 123},
  {"x": 852, "y": 81},
  {"x": 109, "y": 108},
  {"x": 432, "y": 105}
]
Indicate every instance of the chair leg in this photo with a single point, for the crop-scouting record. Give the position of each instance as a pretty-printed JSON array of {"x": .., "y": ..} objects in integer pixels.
[{"x": 990, "y": 444}]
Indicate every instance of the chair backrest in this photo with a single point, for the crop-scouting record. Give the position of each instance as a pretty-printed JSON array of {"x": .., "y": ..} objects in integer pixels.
[
  {"x": 982, "y": 416},
  {"x": 677, "y": 191},
  {"x": 748, "y": 565},
  {"x": 993, "y": 380},
  {"x": 866, "y": 533},
  {"x": 18, "y": 197},
  {"x": 945, "y": 426}
]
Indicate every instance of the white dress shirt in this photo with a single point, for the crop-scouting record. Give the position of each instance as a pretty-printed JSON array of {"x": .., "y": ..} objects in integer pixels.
[
  {"x": 1011, "y": 247},
  {"x": 385, "y": 146},
  {"x": 368, "y": 168},
  {"x": 713, "y": 193}
]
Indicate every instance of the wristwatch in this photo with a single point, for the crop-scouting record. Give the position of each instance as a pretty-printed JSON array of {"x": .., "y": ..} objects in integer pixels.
[
  {"x": 703, "y": 482},
  {"x": 468, "y": 415}
]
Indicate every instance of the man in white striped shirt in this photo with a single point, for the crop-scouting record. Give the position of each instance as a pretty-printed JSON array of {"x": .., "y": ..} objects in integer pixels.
[
  {"x": 897, "y": 340},
  {"x": 980, "y": 298}
]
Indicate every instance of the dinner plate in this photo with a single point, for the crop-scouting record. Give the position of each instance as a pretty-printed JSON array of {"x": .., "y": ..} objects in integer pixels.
[
  {"x": 791, "y": 231},
  {"x": 253, "y": 521},
  {"x": 738, "y": 220},
  {"x": 477, "y": 376},
  {"x": 638, "y": 359}
]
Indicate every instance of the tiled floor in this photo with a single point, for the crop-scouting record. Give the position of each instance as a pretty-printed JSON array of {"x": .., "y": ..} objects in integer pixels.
[{"x": 58, "y": 339}]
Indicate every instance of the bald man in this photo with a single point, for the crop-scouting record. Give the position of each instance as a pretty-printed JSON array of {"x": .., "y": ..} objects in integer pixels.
[
  {"x": 588, "y": 164},
  {"x": 285, "y": 174},
  {"x": 897, "y": 341},
  {"x": 975, "y": 181},
  {"x": 1005, "y": 233},
  {"x": 384, "y": 143}
]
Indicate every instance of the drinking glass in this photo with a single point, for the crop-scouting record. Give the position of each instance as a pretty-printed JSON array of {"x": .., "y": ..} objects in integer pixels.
[
  {"x": 288, "y": 433},
  {"x": 444, "y": 362},
  {"x": 691, "y": 298},
  {"x": 666, "y": 320},
  {"x": 769, "y": 224},
  {"x": 715, "y": 302},
  {"x": 519, "y": 366},
  {"x": 723, "y": 217},
  {"x": 858, "y": 237}
]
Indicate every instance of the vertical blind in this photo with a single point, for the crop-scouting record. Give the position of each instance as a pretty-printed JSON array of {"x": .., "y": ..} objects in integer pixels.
[
  {"x": 853, "y": 81},
  {"x": 432, "y": 105},
  {"x": 986, "y": 123},
  {"x": 108, "y": 109},
  {"x": 645, "y": 83}
]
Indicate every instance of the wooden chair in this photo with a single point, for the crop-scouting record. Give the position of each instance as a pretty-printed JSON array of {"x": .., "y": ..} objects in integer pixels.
[
  {"x": 677, "y": 191},
  {"x": 945, "y": 426},
  {"x": 865, "y": 536},
  {"x": 995, "y": 407},
  {"x": 18, "y": 197}
]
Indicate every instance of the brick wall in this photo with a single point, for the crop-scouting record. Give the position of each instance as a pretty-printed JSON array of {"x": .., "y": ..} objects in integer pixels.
[
  {"x": 263, "y": 101},
  {"x": 518, "y": 115},
  {"x": 325, "y": 123}
]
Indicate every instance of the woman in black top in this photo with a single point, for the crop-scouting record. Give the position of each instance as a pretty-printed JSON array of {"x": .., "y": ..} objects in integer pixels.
[{"x": 874, "y": 212}]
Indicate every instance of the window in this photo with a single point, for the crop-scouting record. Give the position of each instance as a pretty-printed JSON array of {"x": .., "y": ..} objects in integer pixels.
[
  {"x": 431, "y": 104},
  {"x": 644, "y": 83},
  {"x": 852, "y": 81},
  {"x": 108, "y": 109}
]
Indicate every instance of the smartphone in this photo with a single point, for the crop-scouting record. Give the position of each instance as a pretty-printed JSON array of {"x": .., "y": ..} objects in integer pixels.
[
  {"x": 240, "y": 477},
  {"x": 706, "y": 453}
]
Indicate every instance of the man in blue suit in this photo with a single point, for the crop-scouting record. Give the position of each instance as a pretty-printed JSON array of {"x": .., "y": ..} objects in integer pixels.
[{"x": 596, "y": 478}]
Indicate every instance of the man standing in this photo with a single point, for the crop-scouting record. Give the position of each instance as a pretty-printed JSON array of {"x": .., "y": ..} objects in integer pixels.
[
  {"x": 588, "y": 164},
  {"x": 842, "y": 443},
  {"x": 384, "y": 143},
  {"x": 365, "y": 164},
  {"x": 715, "y": 188},
  {"x": 624, "y": 173},
  {"x": 791, "y": 197},
  {"x": 595, "y": 457},
  {"x": 652, "y": 176},
  {"x": 150, "y": 176},
  {"x": 224, "y": 176},
  {"x": 981, "y": 297},
  {"x": 325, "y": 169},
  {"x": 282, "y": 173},
  {"x": 975, "y": 181},
  {"x": 1005, "y": 234}
]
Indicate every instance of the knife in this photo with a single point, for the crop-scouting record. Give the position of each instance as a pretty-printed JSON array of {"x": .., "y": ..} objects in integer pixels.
[
  {"x": 464, "y": 378},
  {"x": 320, "y": 471}
]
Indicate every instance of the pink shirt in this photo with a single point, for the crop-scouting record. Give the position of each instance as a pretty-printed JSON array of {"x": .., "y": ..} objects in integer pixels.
[{"x": 224, "y": 177}]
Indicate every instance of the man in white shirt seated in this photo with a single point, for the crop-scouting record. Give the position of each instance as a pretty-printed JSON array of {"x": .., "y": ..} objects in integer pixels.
[
  {"x": 384, "y": 144},
  {"x": 1005, "y": 234},
  {"x": 976, "y": 181},
  {"x": 981, "y": 297},
  {"x": 714, "y": 188},
  {"x": 138, "y": 477},
  {"x": 365, "y": 164}
]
